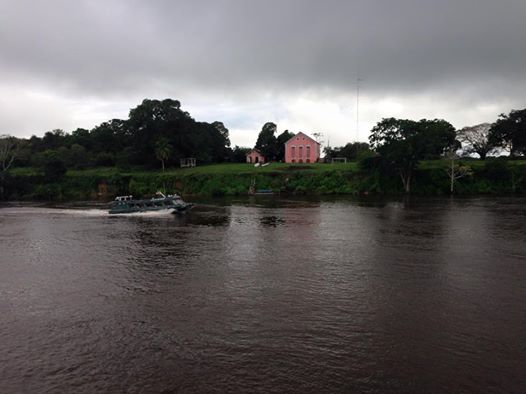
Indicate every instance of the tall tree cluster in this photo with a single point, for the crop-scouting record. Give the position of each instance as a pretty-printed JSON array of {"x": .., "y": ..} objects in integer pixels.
[
  {"x": 270, "y": 146},
  {"x": 351, "y": 151},
  {"x": 157, "y": 133},
  {"x": 509, "y": 132},
  {"x": 403, "y": 143},
  {"x": 476, "y": 139}
]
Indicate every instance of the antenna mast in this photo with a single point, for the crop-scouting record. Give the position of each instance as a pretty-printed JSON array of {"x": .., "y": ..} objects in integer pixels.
[{"x": 358, "y": 80}]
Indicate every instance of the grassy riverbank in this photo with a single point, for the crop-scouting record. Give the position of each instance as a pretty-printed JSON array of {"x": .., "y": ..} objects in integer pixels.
[
  {"x": 225, "y": 168},
  {"x": 487, "y": 177}
]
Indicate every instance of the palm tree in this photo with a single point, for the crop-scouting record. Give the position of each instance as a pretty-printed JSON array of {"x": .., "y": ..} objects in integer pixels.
[{"x": 163, "y": 150}]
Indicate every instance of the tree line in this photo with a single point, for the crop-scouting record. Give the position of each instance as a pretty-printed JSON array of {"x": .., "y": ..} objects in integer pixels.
[
  {"x": 400, "y": 144},
  {"x": 159, "y": 134},
  {"x": 156, "y": 134}
]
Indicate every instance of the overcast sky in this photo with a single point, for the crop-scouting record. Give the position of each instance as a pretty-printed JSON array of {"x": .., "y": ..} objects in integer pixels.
[{"x": 68, "y": 64}]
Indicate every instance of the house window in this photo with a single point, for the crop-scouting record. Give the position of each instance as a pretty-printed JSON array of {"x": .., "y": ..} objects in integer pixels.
[
  {"x": 301, "y": 152},
  {"x": 308, "y": 152}
]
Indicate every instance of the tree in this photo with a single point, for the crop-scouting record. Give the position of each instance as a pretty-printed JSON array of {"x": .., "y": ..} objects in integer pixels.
[
  {"x": 402, "y": 143},
  {"x": 154, "y": 119},
  {"x": 81, "y": 137},
  {"x": 8, "y": 151},
  {"x": 223, "y": 131},
  {"x": 477, "y": 139},
  {"x": 280, "y": 144},
  {"x": 221, "y": 141},
  {"x": 130, "y": 142},
  {"x": 510, "y": 132},
  {"x": 53, "y": 139},
  {"x": 23, "y": 152},
  {"x": 267, "y": 142},
  {"x": 111, "y": 136},
  {"x": 351, "y": 151},
  {"x": 78, "y": 156},
  {"x": 163, "y": 150},
  {"x": 455, "y": 171}
]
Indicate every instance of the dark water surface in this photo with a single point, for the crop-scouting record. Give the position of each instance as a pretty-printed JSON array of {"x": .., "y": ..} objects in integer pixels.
[{"x": 282, "y": 296}]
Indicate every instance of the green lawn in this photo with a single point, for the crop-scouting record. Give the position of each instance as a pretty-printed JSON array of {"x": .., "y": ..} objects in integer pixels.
[
  {"x": 231, "y": 168},
  {"x": 24, "y": 171},
  {"x": 473, "y": 163},
  {"x": 242, "y": 168},
  {"x": 224, "y": 168}
]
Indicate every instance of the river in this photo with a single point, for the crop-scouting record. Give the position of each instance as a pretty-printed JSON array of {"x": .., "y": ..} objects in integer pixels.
[{"x": 266, "y": 295}]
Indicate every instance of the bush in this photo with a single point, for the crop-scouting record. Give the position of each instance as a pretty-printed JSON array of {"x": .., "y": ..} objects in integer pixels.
[
  {"x": 518, "y": 178},
  {"x": 105, "y": 159},
  {"x": 5, "y": 185},
  {"x": 497, "y": 170},
  {"x": 370, "y": 163},
  {"x": 54, "y": 169}
]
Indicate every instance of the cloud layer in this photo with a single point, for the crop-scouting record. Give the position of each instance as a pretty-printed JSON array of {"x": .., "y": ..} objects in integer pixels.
[{"x": 74, "y": 64}]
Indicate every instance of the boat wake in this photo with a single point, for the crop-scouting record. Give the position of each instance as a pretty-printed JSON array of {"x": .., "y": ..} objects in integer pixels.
[
  {"x": 89, "y": 212},
  {"x": 163, "y": 213}
]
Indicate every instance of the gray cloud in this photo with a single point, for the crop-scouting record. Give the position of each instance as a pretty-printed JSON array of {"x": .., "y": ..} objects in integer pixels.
[{"x": 243, "y": 52}]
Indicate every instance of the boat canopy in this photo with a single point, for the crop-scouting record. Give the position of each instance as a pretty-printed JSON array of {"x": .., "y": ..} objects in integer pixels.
[{"x": 123, "y": 198}]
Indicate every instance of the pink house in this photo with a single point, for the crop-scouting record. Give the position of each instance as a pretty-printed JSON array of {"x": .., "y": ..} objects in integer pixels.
[
  {"x": 302, "y": 149},
  {"x": 255, "y": 156}
]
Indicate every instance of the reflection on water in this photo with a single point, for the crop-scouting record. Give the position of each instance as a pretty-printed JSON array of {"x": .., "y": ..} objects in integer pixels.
[
  {"x": 272, "y": 221},
  {"x": 266, "y": 294}
]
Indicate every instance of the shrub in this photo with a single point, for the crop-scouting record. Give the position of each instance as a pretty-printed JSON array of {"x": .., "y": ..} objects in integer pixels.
[
  {"x": 497, "y": 170},
  {"x": 54, "y": 169}
]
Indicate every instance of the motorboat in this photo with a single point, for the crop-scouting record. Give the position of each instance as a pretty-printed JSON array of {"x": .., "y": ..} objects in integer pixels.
[{"x": 128, "y": 204}]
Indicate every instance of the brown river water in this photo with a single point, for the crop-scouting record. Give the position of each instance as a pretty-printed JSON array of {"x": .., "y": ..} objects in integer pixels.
[{"x": 266, "y": 295}]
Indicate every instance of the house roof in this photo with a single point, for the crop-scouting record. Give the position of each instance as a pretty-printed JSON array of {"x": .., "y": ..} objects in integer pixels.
[
  {"x": 252, "y": 151},
  {"x": 301, "y": 134}
]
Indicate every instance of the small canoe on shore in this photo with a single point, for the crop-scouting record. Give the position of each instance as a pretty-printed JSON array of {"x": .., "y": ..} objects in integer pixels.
[{"x": 264, "y": 192}]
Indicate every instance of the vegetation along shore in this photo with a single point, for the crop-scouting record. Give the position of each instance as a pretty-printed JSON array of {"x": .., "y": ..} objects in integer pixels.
[{"x": 493, "y": 176}]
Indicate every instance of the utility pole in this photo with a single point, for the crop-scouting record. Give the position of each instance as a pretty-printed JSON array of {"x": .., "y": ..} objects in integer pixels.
[{"x": 358, "y": 80}]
